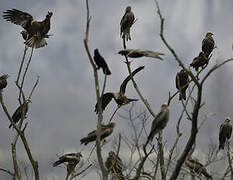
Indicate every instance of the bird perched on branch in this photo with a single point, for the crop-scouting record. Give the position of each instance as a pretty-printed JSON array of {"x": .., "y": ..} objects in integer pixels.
[
  {"x": 101, "y": 63},
  {"x": 225, "y": 132},
  {"x": 20, "y": 112},
  {"x": 119, "y": 97},
  {"x": 208, "y": 44},
  {"x": 3, "y": 81},
  {"x": 182, "y": 83},
  {"x": 126, "y": 22},
  {"x": 106, "y": 130},
  {"x": 72, "y": 159},
  {"x": 159, "y": 123},
  {"x": 115, "y": 165},
  {"x": 36, "y": 31},
  {"x": 196, "y": 167},
  {"x": 137, "y": 53},
  {"x": 200, "y": 61}
]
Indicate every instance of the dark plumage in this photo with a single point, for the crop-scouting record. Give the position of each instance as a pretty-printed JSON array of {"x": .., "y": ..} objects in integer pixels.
[
  {"x": 119, "y": 97},
  {"x": 20, "y": 112},
  {"x": 106, "y": 130},
  {"x": 159, "y": 123},
  {"x": 115, "y": 165},
  {"x": 182, "y": 83},
  {"x": 126, "y": 22},
  {"x": 137, "y": 53},
  {"x": 208, "y": 44},
  {"x": 3, "y": 81},
  {"x": 196, "y": 167},
  {"x": 225, "y": 132},
  {"x": 72, "y": 159},
  {"x": 35, "y": 30},
  {"x": 200, "y": 61},
  {"x": 101, "y": 63}
]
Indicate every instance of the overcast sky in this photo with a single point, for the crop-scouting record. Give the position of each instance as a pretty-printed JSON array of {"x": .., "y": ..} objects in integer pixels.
[{"x": 62, "y": 108}]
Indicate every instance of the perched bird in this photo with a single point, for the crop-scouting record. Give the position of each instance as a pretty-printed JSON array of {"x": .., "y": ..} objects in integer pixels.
[
  {"x": 137, "y": 53},
  {"x": 182, "y": 83},
  {"x": 72, "y": 159},
  {"x": 36, "y": 31},
  {"x": 208, "y": 44},
  {"x": 101, "y": 63},
  {"x": 3, "y": 81},
  {"x": 159, "y": 123},
  {"x": 106, "y": 130},
  {"x": 225, "y": 132},
  {"x": 20, "y": 112},
  {"x": 115, "y": 165},
  {"x": 126, "y": 22},
  {"x": 200, "y": 61},
  {"x": 119, "y": 97},
  {"x": 196, "y": 167}
]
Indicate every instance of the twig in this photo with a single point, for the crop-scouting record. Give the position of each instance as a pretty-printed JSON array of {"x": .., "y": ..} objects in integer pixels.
[
  {"x": 34, "y": 87},
  {"x": 7, "y": 171}
]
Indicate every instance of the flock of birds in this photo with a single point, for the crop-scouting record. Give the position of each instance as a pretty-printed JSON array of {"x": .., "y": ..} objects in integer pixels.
[{"x": 34, "y": 34}]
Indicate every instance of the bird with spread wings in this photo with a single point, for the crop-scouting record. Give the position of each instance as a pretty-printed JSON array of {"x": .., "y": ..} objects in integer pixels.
[
  {"x": 119, "y": 97},
  {"x": 34, "y": 32}
]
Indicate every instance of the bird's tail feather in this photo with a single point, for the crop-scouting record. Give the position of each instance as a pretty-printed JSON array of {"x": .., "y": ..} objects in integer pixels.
[{"x": 35, "y": 42}]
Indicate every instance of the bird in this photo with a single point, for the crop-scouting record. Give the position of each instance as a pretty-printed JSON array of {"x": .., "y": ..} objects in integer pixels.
[
  {"x": 71, "y": 158},
  {"x": 106, "y": 130},
  {"x": 225, "y": 132},
  {"x": 200, "y": 61},
  {"x": 126, "y": 22},
  {"x": 3, "y": 81},
  {"x": 119, "y": 97},
  {"x": 159, "y": 123},
  {"x": 101, "y": 63},
  {"x": 208, "y": 44},
  {"x": 115, "y": 165},
  {"x": 20, "y": 112},
  {"x": 196, "y": 167},
  {"x": 137, "y": 53},
  {"x": 35, "y": 31},
  {"x": 182, "y": 83}
]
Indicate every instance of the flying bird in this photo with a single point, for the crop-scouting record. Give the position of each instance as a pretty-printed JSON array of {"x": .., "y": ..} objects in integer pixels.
[
  {"x": 3, "y": 81},
  {"x": 208, "y": 44},
  {"x": 115, "y": 165},
  {"x": 106, "y": 130},
  {"x": 101, "y": 63},
  {"x": 35, "y": 31},
  {"x": 20, "y": 112},
  {"x": 71, "y": 158},
  {"x": 159, "y": 123},
  {"x": 225, "y": 132},
  {"x": 182, "y": 83},
  {"x": 196, "y": 167},
  {"x": 137, "y": 53},
  {"x": 126, "y": 22},
  {"x": 200, "y": 61},
  {"x": 119, "y": 97}
]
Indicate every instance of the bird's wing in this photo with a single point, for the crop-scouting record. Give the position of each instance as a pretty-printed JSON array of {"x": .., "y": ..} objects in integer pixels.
[
  {"x": 125, "y": 52},
  {"x": 18, "y": 17},
  {"x": 105, "y": 99},
  {"x": 221, "y": 131},
  {"x": 148, "y": 53},
  {"x": 123, "y": 85},
  {"x": 177, "y": 81},
  {"x": 100, "y": 62}
]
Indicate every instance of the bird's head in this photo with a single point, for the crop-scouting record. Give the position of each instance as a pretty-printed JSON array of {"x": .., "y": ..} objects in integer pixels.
[
  {"x": 164, "y": 105},
  {"x": 228, "y": 119},
  {"x": 49, "y": 15},
  {"x": 128, "y": 9},
  {"x": 111, "y": 124},
  {"x": 4, "y": 76},
  {"x": 209, "y": 34},
  {"x": 79, "y": 154},
  {"x": 111, "y": 153}
]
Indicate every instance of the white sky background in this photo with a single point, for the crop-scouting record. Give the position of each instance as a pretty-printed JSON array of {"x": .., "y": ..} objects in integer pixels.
[{"x": 62, "y": 109}]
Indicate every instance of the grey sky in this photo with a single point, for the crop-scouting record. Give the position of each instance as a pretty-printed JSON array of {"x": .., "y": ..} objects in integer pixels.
[{"x": 62, "y": 109}]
